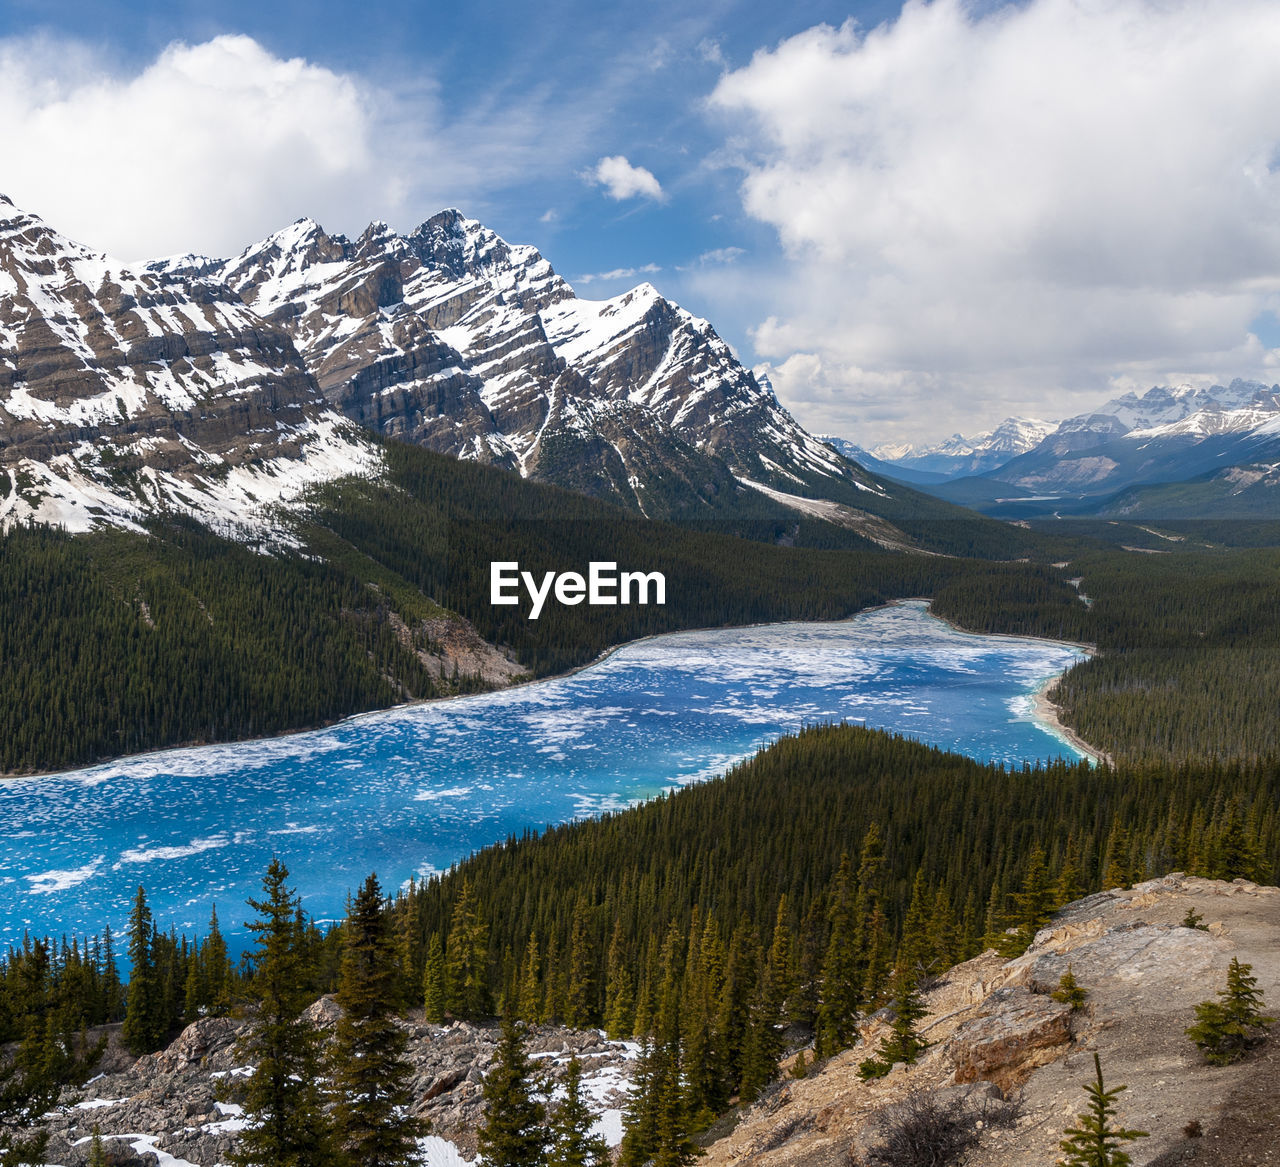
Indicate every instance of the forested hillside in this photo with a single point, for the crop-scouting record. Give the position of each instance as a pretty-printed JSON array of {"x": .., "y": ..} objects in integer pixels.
[
  {"x": 116, "y": 642},
  {"x": 1188, "y": 662}
]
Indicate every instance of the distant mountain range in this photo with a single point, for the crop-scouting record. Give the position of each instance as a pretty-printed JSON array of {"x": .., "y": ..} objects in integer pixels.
[
  {"x": 227, "y": 389},
  {"x": 1175, "y": 452}
]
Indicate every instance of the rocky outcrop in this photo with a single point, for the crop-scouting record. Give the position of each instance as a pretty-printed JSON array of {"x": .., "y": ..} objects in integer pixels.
[
  {"x": 184, "y": 1102},
  {"x": 993, "y": 1027}
]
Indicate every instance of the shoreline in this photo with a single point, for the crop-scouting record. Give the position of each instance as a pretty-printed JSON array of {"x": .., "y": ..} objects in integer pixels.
[{"x": 1044, "y": 710}]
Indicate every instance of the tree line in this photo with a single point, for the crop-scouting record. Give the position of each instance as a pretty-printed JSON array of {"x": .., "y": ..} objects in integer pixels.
[{"x": 833, "y": 873}]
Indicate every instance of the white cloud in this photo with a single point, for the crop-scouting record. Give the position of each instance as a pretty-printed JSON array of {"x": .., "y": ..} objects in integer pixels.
[
  {"x": 722, "y": 255},
  {"x": 993, "y": 207},
  {"x": 622, "y": 181},
  {"x": 204, "y": 141},
  {"x": 618, "y": 273},
  {"x": 211, "y": 146}
]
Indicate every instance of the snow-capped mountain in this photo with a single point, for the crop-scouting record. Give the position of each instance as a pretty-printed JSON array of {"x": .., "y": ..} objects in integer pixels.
[
  {"x": 456, "y": 340},
  {"x": 959, "y": 455},
  {"x": 123, "y": 393},
  {"x": 1165, "y": 435}
]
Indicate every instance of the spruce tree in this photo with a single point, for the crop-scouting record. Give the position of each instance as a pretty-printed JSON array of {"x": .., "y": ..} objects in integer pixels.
[
  {"x": 371, "y": 1076},
  {"x": 841, "y": 991},
  {"x": 580, "y": 997},
  {"x": 512, "y": 1134},
  {"x": 1070, "y": 991},
  {"x": 619, "y": 996},
  {"x": 1226, "y": 1028},
  {"x": 145, "y": 1022},
  {"x": 1095, "y": 1141},
  {"x": 572, "y": 1143},
  {"x": 289, "y": 1125},
  {"x": 466, "y": 959},
  {"x": 1069, "y": 886},
  {"x": 902, "y": 1044},
  {"x": 433, "y": 993},
  {"x": 97, "y": 1152},
  {"x": 217, "y": 967}
]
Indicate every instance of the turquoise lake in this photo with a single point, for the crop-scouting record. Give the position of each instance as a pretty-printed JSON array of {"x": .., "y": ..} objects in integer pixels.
[{"x": 408, "y": 791}]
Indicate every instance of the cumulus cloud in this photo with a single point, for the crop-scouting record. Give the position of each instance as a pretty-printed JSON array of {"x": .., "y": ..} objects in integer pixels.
[
  {"x": 211, "y": 137},
  {"x": 1007, "y": 207},
  {"x": 622, "y": 181},
  {"x": 211, "y": 146}
]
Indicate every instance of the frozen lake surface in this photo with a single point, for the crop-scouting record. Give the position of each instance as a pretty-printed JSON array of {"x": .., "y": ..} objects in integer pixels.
[{"x": 411, "y": 790}]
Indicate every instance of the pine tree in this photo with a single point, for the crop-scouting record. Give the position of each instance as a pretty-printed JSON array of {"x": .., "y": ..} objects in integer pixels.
[
  {"x": 572, "y": 1143},
  {"x": 580, "y": 998},
  {"x": 764, "y": 1041},
  {"x": 371, "y": 1076},
  {"x": 841, "y": 991},
  {"x": 902, "y": 1044},
  {"x": 433, "y": 998},
  {"x": 217, "y": 968},
  {"x": 466, "y": 959},
  {"x": 1070, "y": 991},
  {"x": 528, "y": 1001},
  {"x": 1116, "y": 871},
  {"x": 145, "y": 1023},
  {"x": 289, "y": 1127},
  {"x": 620, "y": 1005},
  {"x": 1094, "y": 1141},
  {"x": 512, "y": 1134},
  {"x": 97, "y": 1152},
  {"x": 1069, "y": 885},
  {"x": 1226, "y": 1028},
  {"x": 1033, "y": 906}
]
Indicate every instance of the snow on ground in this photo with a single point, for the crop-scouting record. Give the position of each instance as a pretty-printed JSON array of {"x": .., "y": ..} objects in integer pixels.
[
  {"x": 142, "y": 1145},
  {"x": 438, "y": 1152}
]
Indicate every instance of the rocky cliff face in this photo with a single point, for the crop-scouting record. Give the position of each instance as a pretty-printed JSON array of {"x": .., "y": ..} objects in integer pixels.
[
  {"x": 454, "y": 339},
  {"x": 123, "y": 392},
  {"x": 996, "y": 1035}
]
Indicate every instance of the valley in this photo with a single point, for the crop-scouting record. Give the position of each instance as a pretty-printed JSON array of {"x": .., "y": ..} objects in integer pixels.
[{"x": 252, "y": 508}]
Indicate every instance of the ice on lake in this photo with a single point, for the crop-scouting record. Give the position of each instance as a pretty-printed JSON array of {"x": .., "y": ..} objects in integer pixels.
[{"x": 409, "y": 791}]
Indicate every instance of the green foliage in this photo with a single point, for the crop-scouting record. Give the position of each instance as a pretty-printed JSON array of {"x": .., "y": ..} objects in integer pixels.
[
  {"x": 1194, "y": 919},
  {"x": 513, "y": 1134},
  {"x": 291, "y": 1127},
  {"x": 1070, "y": 991},
  {"x": 125, "y": 642},
  {"x": 146, "y": 1024},
  {"x": 371, "y": 1076},
  {"x": 1095, "y": 1139},
  {"x": 902, "y": 1043},
  {"x": 1175, "y": 635},
  {"x": 1225, "y": 1029},
  {"x": 572, "y": 1143},
  {"x": 433, "y": 993}
]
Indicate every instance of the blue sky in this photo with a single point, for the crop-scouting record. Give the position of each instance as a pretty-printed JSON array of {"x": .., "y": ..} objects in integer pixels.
[{"x": 919, "y": 219}]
